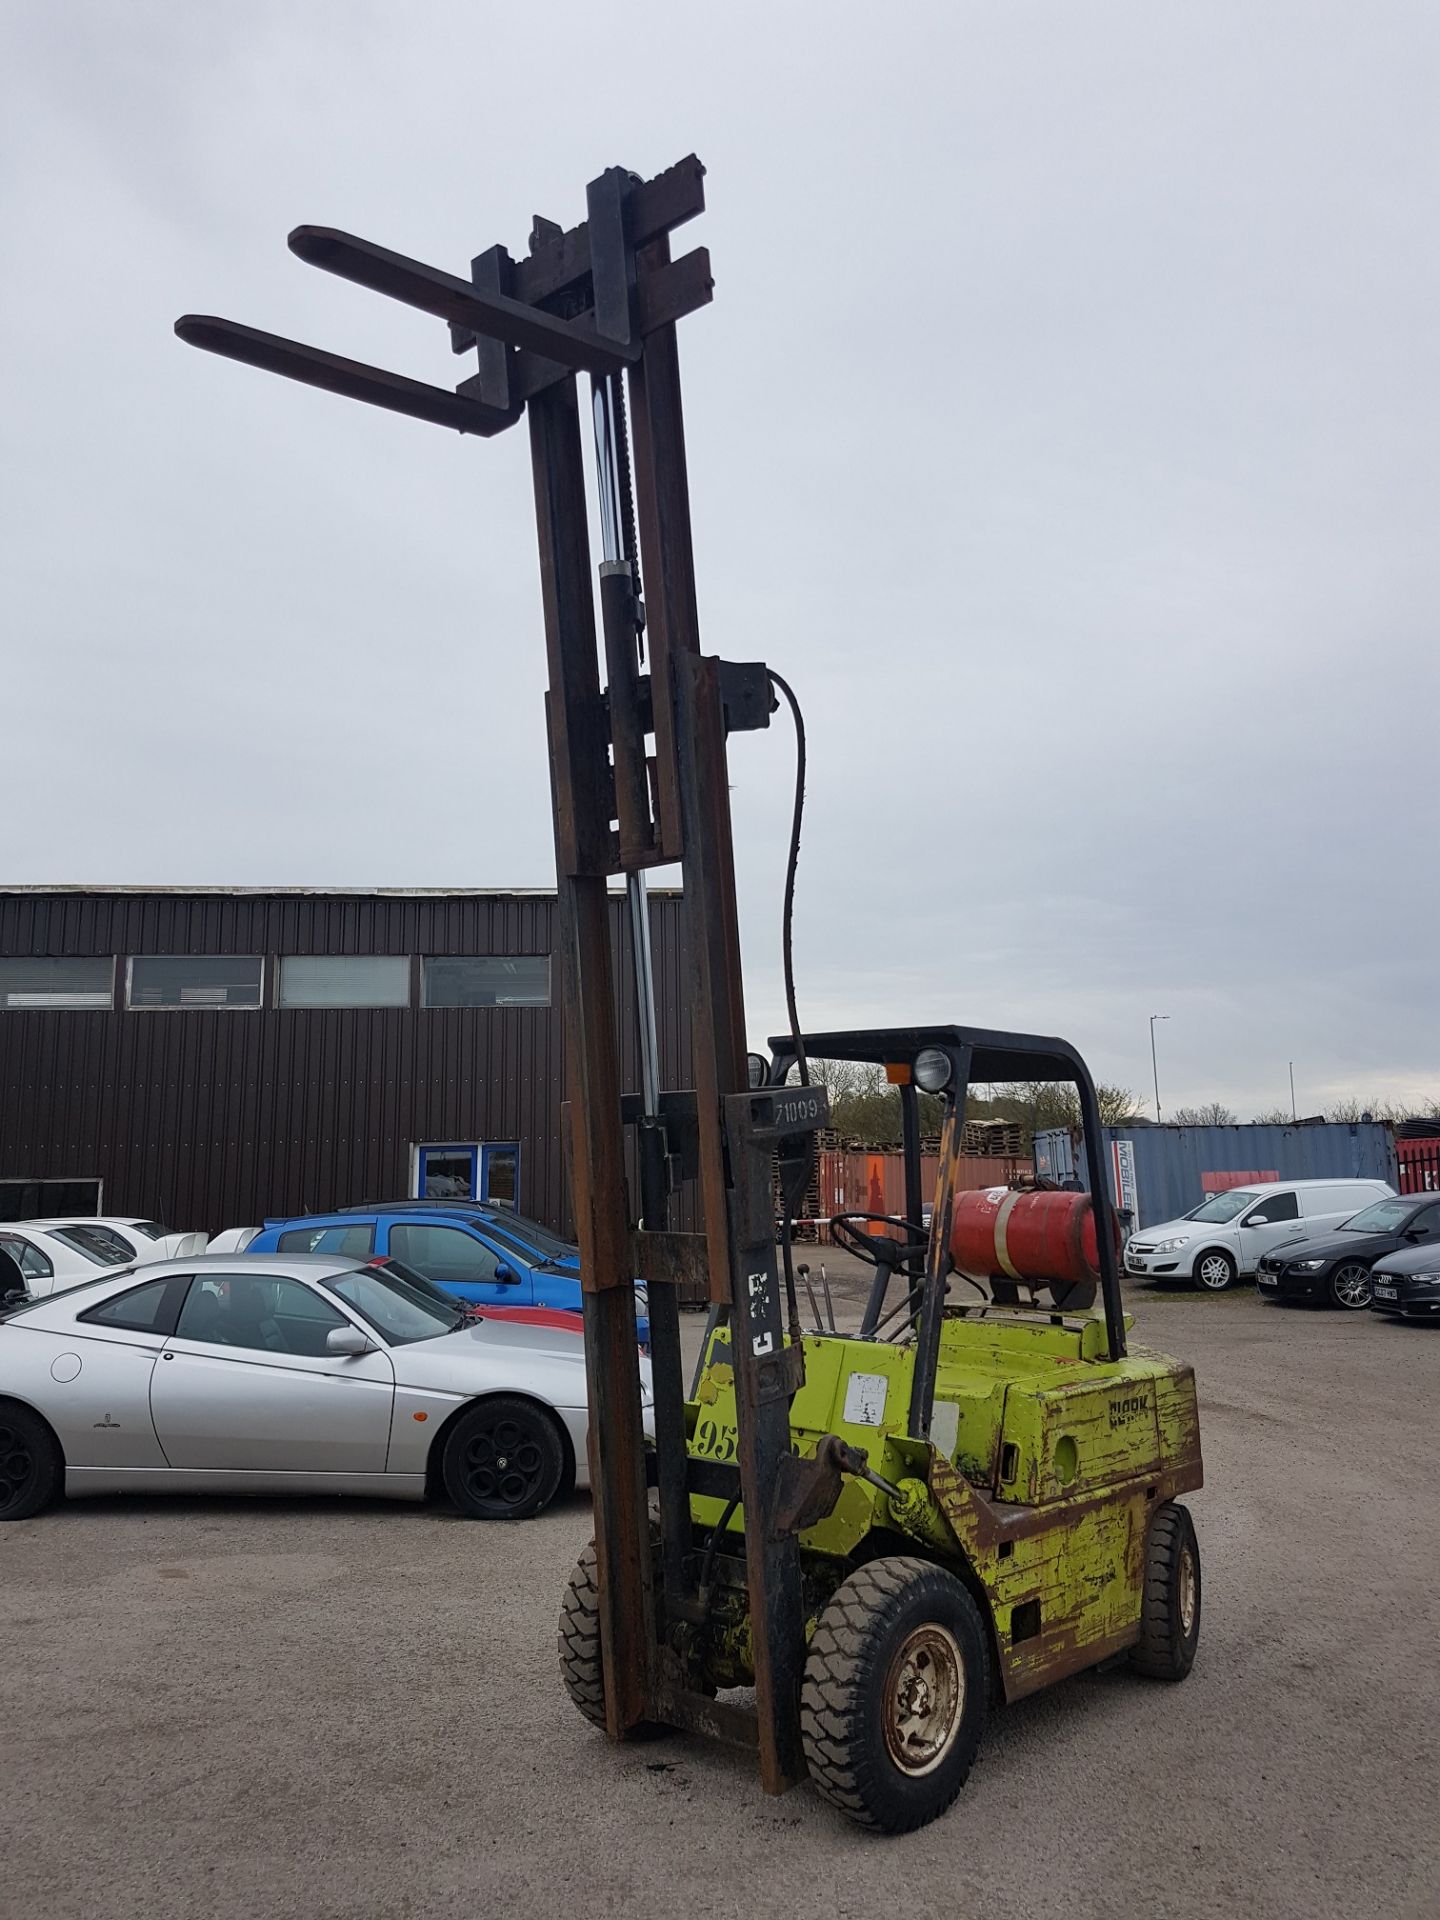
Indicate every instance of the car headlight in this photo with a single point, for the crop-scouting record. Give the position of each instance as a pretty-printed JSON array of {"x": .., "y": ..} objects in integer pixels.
[
  {"x": 1432, "y": 1278},
  {"x": 1169, "y": 1246},
  {"x": 1309, "y": 1266}
]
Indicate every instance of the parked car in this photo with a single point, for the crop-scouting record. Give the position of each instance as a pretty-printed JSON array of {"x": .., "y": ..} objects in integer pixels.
[
  {"x": 52, "y": 1254},
  {"x": 489, "y": 1257},
  {"x": 286, "y": 1374},
  {"x": 1228, "y": 1234},
  {"x": 1407, "y": 1283},
  {"x": 232, "y": 1240},
  {"x": 1336, "y": 1266}
]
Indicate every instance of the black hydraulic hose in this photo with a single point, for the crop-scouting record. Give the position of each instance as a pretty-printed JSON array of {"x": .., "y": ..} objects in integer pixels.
[
  {"x": 788, "y": 920},
  {"x": 707, "y": 1565}
]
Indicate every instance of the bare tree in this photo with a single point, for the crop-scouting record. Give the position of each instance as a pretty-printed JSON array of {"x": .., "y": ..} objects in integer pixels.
[
  {"x": 1214, "y": 1113},
  {"x": 1273, "y": 1117},
  {"x": 1054, "y": 1103}
]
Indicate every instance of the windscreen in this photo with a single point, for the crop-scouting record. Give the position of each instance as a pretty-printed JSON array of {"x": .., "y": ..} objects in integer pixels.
[
  {"x": 530, "y": 1237},
  {"x": 1386, "y": 1216},
  {"x": 1224, "y": 1206},
  {"x": 396, "y": 1308}
]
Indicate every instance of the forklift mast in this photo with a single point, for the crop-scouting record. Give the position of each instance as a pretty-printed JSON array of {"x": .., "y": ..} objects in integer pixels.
[{"x": 638, "y": 762}]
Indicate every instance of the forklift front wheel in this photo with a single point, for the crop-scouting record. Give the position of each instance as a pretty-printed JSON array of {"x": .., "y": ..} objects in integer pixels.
[
  {"x": 580, "y": 1666},
  {"x": 1170, "y": 1604},
  {"x": 895, "y": 1692}
]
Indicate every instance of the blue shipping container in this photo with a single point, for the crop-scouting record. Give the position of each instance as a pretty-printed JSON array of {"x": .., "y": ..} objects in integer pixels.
[{"x": 1159, "y": 1173}]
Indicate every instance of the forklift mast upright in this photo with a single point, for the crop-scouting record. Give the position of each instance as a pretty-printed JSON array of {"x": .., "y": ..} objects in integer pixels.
[{"x": 638, "y": 765}]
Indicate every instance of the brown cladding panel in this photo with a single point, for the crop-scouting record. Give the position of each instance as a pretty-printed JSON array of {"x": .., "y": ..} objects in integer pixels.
[{"x": 216, "y": 1118}]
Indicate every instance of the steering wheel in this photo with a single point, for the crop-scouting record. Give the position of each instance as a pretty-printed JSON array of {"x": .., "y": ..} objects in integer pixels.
[{"x": 878, "y": 1249}]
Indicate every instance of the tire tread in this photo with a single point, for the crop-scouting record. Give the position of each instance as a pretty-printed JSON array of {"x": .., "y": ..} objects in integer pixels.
[
  {"x": 1158, "y": 1653},
  {"x": 579, "y": 1640},
  {"x": 840, "y": 1674}
]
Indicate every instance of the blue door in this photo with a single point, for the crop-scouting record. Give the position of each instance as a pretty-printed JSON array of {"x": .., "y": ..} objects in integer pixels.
[{"x": 500, "y": 1173}]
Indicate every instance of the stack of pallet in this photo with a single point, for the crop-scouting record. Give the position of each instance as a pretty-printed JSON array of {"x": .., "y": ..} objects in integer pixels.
[{"x": 997, "y": 1139}]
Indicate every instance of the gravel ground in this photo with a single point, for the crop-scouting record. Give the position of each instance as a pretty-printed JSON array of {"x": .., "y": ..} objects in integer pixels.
[{"x": 332, "y": 1708}]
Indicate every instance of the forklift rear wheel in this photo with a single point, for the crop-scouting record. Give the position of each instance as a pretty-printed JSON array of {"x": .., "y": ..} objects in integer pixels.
[
  {"x": 1170, "y": 1603},
  {"x": 1215, "y": 1271},
  {"x": 895, "y": 1691}
]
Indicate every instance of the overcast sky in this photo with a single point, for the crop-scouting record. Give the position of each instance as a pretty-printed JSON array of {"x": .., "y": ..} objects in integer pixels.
[{"x": 1065, "y": 427}]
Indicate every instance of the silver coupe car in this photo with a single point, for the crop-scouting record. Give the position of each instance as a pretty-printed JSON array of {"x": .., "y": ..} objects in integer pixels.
[{"x": 286, "y": 1373}]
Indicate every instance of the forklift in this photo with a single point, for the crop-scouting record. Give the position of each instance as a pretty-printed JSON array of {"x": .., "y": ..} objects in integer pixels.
[
  {"x": 993, "y": 1501},
  {"x": 840, "y": 1548}
]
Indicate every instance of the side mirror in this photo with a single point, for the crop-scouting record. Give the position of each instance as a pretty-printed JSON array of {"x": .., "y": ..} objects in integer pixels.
[
  {"x": 506, "y": 1276},
  {"x": 1413, "y": 1234},
  {"x": 1258, "y": 1220},
  {"x": 349, "y": 1340}
]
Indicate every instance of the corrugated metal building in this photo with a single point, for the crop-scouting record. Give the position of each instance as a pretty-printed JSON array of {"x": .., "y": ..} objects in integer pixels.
[
  {"x": 1158, "y": 1173},
  {"x": 207, "y": 1056}
]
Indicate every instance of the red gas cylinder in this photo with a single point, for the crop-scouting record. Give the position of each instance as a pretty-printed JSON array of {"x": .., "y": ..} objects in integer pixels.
[{"x": 996, "y": 1233}]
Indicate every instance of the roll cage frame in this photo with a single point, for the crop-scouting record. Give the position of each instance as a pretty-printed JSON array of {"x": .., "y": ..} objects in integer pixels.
[{"x": 977, "y": 1055}]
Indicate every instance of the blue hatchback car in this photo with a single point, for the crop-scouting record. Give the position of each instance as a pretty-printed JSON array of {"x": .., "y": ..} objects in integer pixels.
[{"x": 485, "y": 1255}]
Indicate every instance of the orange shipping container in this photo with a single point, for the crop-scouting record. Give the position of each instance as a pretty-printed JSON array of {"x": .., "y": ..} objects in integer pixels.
[{"x": 875, "y": 1182}]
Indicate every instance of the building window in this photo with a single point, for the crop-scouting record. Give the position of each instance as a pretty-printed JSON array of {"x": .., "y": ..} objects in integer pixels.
[
  {"x": 494, "y": 980},
  {"x": 195, "y": 980},
  {"x": 46, "y": 982},
  {"x": 348, "y": 980},
  {"x": 47, "y": 1199}
]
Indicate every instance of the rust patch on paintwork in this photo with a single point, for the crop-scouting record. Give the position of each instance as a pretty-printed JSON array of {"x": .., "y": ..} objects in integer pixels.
[{"x": 1075, "y": 1565}]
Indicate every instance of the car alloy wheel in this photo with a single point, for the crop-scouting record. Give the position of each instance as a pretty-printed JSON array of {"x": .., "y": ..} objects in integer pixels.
[
  {"x": 18, "y": 1466},
  {"x": 1215, "y": 1271},
  {"x": 504, "y": 1460},
  {"x": 502, "y": 1463},
  {"x": 1351, "y": 1286},
  {"x": 32, "y": 1467}
]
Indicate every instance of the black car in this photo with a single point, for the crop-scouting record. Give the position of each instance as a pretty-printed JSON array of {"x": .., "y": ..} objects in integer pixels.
[
  {"x": 1408, "y": 1283},
  {"x": 1335, "y": 1267}
]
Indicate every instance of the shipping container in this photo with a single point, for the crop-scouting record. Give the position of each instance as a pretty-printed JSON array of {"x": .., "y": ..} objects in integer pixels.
[
  {"x": 859, "y": 1182},
  {"x": 1159, "y": 1173},
  {"x": 1419, "y": 1158}
]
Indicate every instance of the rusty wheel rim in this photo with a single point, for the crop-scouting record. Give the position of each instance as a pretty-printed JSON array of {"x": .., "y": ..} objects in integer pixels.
[
  {"x": 1189, "y": 1592},
  {"x": 924, "y": 1699}
]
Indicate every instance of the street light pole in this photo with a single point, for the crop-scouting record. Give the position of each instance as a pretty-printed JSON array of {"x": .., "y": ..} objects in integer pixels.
[
  {"x": 1292, "y": 1091},
  {"x": 1154, "y": 1068}
]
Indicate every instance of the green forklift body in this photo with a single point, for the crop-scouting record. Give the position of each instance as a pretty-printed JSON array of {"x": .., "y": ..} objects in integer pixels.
[{"x": 1045, "y": 1462}]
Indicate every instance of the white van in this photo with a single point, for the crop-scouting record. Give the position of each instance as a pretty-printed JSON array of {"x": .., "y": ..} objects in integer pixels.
[{"x": 1224, "y": 1236}]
